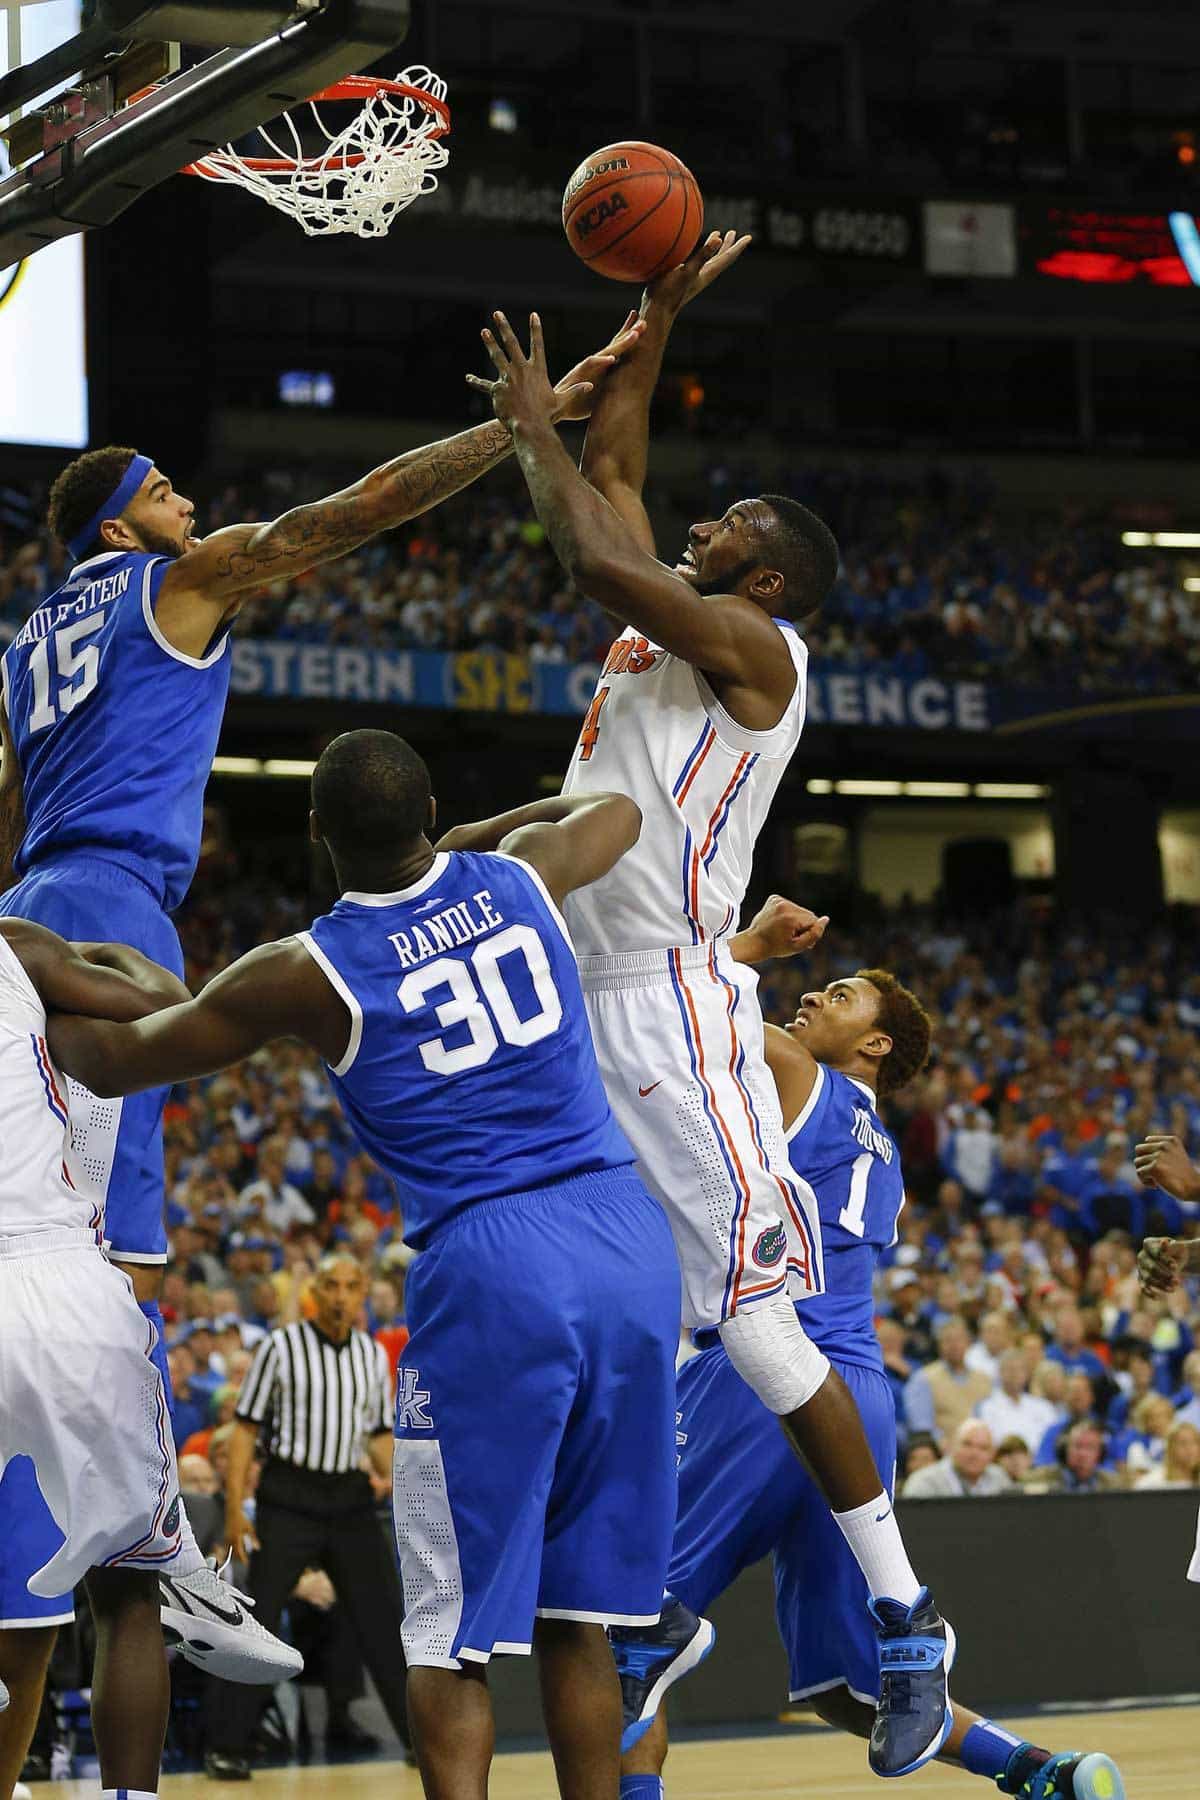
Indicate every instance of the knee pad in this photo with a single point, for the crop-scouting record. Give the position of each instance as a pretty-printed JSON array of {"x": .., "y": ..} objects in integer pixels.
[{"x": 773, "y": 1353}]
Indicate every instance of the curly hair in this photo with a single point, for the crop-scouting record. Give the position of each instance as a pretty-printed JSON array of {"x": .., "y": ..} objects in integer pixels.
[
  {"x": 83, "y": 487},
  {"x": 908, "y": 1025}
]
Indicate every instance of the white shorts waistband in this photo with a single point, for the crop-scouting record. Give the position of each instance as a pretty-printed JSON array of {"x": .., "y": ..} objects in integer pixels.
[
  {"x": 59, "y": 1237},
  {"x": 648, "y": 968}
]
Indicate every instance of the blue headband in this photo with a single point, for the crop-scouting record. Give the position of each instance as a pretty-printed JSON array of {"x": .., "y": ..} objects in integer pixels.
[{"x": 113, "y": 507}]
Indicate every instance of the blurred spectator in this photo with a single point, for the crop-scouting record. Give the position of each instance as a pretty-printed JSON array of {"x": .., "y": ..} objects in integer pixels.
[
  {"x": 1180, "y": 1465},
  {"x": 1078, "y": 1471},
  {"x": 941, "y": 1396},
  {"x": 967, "y": 1471},
  {"x": 1010, "y": 1410},
  {"x": 272, "y": 1199},
  {"x": 1187, "y": 1400},
  {"x": 1068, "y": 1347},
  {"x": 995, "y": 1337},
  {"x": 1014, "y": 1456},
  {"x": 922, "y": 1453},
  {"x": 1151, "y": 1419},
  {"x": 1079, "y": 1398}
]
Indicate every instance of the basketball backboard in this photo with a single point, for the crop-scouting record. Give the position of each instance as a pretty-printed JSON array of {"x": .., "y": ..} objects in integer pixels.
[{"x": 81, "y": 158}]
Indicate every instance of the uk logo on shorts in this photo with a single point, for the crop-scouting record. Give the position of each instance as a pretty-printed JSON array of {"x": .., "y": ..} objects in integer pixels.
[
  {"x": 411, "y": 1401},
  {"x": 770, "y": 1246}
]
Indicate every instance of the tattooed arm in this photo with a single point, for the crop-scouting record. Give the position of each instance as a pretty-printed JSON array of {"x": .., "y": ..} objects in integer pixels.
[
  {"x": 12, "y": 804},
  {"x": 206, "y": 587}
]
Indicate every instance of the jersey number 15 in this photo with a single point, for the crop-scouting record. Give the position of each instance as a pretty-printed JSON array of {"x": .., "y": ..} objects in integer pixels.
[{"x": 78, "y": 671}]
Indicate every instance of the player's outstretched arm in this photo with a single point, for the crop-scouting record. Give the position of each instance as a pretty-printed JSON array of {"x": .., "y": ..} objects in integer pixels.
[
  {"x": 1162, "y": 1162},
  {"x": 274, "y": 991},
  {"x": 616, "y": 449},
  {"x": 206, "y": 586},
  {"x": 570, "y": 839},
  {"x": 99, "y": 981},
  {"x": 726, "y": 636},
  {"x": 793, "y": 1069},
  {"x": 779, "y": 928}
]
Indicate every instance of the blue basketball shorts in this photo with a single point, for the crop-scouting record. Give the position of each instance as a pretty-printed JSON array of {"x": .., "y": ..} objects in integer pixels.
[
  {"x": 29, "y": 1539},
  {"x": 743, "y": 1495},
  {"x": 534, "y": 1471},
  {"x": 116, "y": 1145}
]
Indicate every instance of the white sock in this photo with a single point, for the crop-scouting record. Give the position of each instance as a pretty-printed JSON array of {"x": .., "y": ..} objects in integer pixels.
[
  {"x": 186, "y": 1561},
  {"x": 874, "y": 1536}
]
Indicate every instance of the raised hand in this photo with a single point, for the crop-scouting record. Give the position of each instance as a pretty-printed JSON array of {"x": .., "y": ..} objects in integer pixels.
[
  {"x": 1162, "y": 1162},
  {"x": 1161, "y": 1264},
  {"x": 781, "y": 928},
  {"x": 577, "y": 389},
  {"x": 708, "y": 260}
]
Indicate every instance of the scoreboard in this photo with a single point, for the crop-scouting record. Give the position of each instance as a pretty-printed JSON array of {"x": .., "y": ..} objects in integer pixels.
[{"x": 1114, "y": 247}]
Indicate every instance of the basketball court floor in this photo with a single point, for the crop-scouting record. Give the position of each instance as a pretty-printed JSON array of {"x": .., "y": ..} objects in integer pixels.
[{"x": 1158, "y": 1750}]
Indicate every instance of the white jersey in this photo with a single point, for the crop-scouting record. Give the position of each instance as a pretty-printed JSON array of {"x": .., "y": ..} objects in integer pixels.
[
  {"x": 35, "y": 1190},
  {"x": 657, "y": 732}
]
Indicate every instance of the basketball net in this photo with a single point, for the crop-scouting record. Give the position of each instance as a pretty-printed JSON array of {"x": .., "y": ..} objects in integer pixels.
[{"x": 364, "y": 175}]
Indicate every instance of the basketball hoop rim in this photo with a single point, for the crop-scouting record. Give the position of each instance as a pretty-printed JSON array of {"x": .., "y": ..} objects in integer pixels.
[{"x": 350, "y": 87}]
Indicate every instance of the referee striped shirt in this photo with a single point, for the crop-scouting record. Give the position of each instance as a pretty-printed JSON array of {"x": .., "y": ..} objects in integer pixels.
[{"x": 320, "y": 1401}]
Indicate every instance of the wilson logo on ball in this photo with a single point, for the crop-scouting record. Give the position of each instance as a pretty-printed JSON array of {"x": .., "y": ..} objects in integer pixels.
[
  {"x": 585, "y": 223},
  {"x": 592, "y": 172}
]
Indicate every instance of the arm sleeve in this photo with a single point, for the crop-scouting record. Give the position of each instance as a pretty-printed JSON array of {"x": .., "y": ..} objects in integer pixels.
[{"x": 258, "y": 1387}]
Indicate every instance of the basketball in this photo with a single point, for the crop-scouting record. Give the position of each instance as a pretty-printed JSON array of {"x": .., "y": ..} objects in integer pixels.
[{"x": 631, "y": 211}]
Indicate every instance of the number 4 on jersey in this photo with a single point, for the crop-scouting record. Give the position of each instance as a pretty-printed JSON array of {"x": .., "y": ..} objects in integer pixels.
[{"x": 591, "y": 725}]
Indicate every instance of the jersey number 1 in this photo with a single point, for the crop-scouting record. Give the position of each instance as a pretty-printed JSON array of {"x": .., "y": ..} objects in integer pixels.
[
  {"x": 78, "y": 671},
  {"x": 853, "y": 1215},
  {"x": 591, "y": 725}
]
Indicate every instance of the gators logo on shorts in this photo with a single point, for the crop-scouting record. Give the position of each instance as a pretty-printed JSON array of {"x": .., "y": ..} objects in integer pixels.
[
  {"x": 770, "y": 1246},
  {"x": 170, "y": 1524}
]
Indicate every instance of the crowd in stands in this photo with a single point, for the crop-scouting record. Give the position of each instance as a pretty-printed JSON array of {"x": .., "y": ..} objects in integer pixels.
[{"x": 932, "y": 583}]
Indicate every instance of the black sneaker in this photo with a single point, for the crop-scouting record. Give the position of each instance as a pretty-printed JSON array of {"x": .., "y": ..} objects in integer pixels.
[
  {"x": 914, "y": 1716},
  {"x": 652, "y": 1658}
]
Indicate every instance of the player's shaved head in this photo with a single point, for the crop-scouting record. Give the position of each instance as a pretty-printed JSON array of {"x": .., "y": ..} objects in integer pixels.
[
  {"x": 804, "y": 550},
  {"x": 371, "y": 796}
]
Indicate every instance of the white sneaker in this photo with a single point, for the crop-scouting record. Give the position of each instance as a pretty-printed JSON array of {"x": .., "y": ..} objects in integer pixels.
[
  {"x": 210, "y": 1622},
  {"x": 21, "y": 1792},
  {"x": 3, "y": 1696}
]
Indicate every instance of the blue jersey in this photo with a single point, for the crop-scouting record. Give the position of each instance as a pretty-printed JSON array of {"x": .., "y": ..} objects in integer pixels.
[
  {"x": 841, "y": 1149},
  {"x": 114, "y": 729},
  {"x": 470, "y": 1072}
]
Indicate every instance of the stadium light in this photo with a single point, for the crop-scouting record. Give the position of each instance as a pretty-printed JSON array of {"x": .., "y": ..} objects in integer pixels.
[
  {"x": 1161, "y": 540},
  {"x": 937, "y": 790},
  {"x": 237, "y": 765},
  {"x": 1192, "y": 584},
  {"x": 868, "y": 787},
  {"x": 1009, "y": 790},
  {"x": 819, "y": 785},
  {"x": 289, "y": 765}
]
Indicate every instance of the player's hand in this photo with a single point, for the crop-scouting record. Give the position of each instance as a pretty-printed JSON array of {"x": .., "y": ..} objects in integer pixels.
[
  {"x": 240, "y": 1535},
  {"x": 781, "y": 928},
  {"x": 1162, "y": 1162},
  {"x": 709, "y": 259},
  {"x": 315, "y": 1587},
  {"x": 1161, "y": 1263},
  {"x": 588, "y": 374},
  {"x": 522, "y": 394}
]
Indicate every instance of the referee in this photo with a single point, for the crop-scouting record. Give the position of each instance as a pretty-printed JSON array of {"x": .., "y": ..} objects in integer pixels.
[{"x": 322, "y": 1392}]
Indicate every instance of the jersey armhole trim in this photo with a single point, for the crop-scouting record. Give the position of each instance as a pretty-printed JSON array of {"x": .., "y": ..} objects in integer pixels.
[
  {"x": 806, "y": 1111},
  {"x": 152, "y": 626},
  {"x": 345, "y": 993},
  {"x": 551, "y": 904},
  {"x": 781, "y": 738}
]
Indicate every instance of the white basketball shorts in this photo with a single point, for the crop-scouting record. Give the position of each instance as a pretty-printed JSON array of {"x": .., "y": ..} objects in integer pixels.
[
  {"x": 679, "y": 1040},
  {"x": 80, "y": 1396}
]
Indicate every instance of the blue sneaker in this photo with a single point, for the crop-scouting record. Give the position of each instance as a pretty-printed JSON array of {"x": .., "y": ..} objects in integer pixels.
[
  {"x": 914, "y": 1716},
  {"x": 652, "y": 1658},
  {"x": 1071, "y": 1775}
]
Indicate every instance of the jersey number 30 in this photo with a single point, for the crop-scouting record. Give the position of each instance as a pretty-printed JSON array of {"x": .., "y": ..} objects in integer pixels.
[
  {"x": 480, "y": 1000},
  {"x": 78, "y": 671}
]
